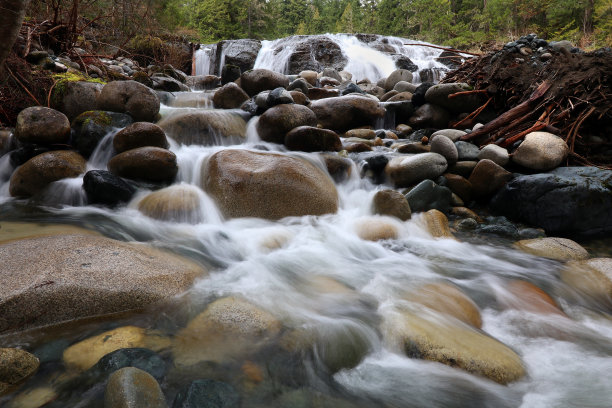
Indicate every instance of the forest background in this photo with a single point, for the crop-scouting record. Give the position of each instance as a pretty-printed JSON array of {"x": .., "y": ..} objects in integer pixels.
[{"x": 462, "y": 24}]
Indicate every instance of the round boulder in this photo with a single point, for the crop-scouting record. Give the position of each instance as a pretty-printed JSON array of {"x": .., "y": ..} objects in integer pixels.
[
  {"x": 392, "y": 203},
  {"x": 229, "y": 96},
  {"x": 449, "y": 300},
  {"x": 75, "y": 97},
  {"x": 38, "y": 172},
  {"x": 267, "y": 185},
  {"x": 541, "y": 151},
  {"x": 312, "y": 139},
  {"x": 139, "y": 134},
  {"x": 427, "y": 195},
  {"x": 131, "y": 97},
  {"x": 439, "y": 95},
  {"x": 347, "y": 112},
  {"x": 376, "y": 228},
  {"x": 15, "y": 367},
  {"x": 41, "y": 125},
  {"x": 405, "y": 171},
  {"x": 145, "y": 163},
  {"x": 495, "y": 153},
  {"x": 257, "y": 80},
  {"x": 177, "y": 203},
  {"x": 277, "y": 121}
]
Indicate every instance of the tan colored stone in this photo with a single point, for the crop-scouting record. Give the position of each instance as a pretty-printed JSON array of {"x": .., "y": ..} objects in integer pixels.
[
  {"x": 85, "y": 354},
  {"x": 541, "y": 151},
  {"x": 376, "y": 229},
  {"x": 177, "y": 203},
  {"x": 592, "y": 277},
  {"x": 456, "y": 346},
  {"x": 527, "y": 296},
  {"x": 33, "y": 398},
  {"x": 437, "y": 224},
  {"x": 228, "y": 328},
  {"x": 12, "y": 231},
  {"x": 561, "y": 249},
  {"x": 449, "y": 300},
  {"x": 16, "y": 366},
  {"x": 130, "y": 387},
  {"x": 392, "y": 203}
]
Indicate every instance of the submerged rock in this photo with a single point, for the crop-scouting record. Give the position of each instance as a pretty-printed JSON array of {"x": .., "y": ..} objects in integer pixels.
[
  {"x": 51, "y": 279},
  {"x": 205, "y": 127},
  {"x": 15, "y": 367},
  {"x": 207, "y": 394},
  {"x": 267, "y": 185},
  {"x": 177, "y": 203},
  {"x": 131, "y": 387},
  {"x": 449, "y": 300}
]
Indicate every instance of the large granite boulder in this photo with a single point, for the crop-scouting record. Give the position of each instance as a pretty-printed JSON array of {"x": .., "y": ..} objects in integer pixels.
[
  {"x": 56, "y": 278},
  {"x": 567, "y": 199},
  {"x": 347, "y": 112},
  {"x": 241, "y": 53},
  {"x": 267, "y": 185},
  {"x": 315, "y": 53}
]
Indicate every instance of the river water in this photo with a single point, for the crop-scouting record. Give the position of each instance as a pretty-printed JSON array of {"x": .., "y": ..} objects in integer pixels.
[{"x": 315, "y": 273}]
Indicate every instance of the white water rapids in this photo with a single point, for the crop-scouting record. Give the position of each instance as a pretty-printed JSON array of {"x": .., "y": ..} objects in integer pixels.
[{"x": 316, "y": 272}]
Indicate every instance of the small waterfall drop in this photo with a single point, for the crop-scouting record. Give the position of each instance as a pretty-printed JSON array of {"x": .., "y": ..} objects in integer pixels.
[{"x": 204, "y": 59}]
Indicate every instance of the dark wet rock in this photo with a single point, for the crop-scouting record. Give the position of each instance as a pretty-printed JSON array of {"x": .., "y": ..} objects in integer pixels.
[
  {"x": 403, "y": 62},
  {"x": 393, "y": 203},
  {"x": 40, "y": 171},
  {"x": 430, "y": 116},
  {"x": 278, "y": 96},
  {"x": 463, "y": 168},
  {"x": 148, "y": 163},
  {"x": 374, "y": 168},
  {"x": 25, "y": 153},
  {"x": 241, "y": 53},
  {"x": 90, "y": 127},
  {"x": 427, "y": 195},
  {"x": 467, "y": 151},
  {"x": 566, "y": 200},
  {"x": 351, "y": 88},
  {"x": 176, "y": 203},
  {"x": 163, "y": 82},
  {"x": 141, "y": 358},
  {"x": 459, "y": 185},
  {"x": 312, "y": 139},
  {"x": 131, "y": 387},
  {"x": 207, "y": 394},
  {"x": 103, "y": 187},
  {"x": 230, "y": 73},
  {"x": 139, "y": 134},
  {"x": 418, "y": 96},
  {"x": 130, "y": 97},
  {"x": 41, "y": 125},
  {"x": 450, "y": 59},
  {"x": 299, "y": 84},
  {"x": 276, "y": 122}
]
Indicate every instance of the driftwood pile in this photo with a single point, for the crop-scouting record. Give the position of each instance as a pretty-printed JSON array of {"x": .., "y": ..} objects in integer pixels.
[{"x": 565, "y": 93}]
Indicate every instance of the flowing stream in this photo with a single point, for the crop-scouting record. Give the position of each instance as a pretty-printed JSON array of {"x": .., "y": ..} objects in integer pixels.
[{"x": 315, "y": 273}]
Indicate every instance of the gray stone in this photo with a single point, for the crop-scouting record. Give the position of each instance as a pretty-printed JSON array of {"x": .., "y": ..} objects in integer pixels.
[
  {"x": 75, "y": 97},
  {"x": 278, "y": 96},
  {"x": 427, "y": 195},
  {"x": 443, "y": 145},
  {"x": 138, "y": 357},
  {"x": 566, "y": 200},
  {"x": 452, "y": 134},
  {"x": 467, "y": 151},
  {"x": 405, "y": 171},
  {"x": 541, "y": 151},
  {"x": 331, "y": 73},
  {"x": 403, "y": 86},
  {"x": 207, "y": 394},
  {"x": 495, "y": 153},
  {"x": 397, "y": 76}
]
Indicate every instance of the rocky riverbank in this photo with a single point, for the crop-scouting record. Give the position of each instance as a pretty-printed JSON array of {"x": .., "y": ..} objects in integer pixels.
[{"x": 277, "y": 151}]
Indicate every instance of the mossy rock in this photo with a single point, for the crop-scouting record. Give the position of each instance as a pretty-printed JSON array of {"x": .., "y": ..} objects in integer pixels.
[{"x": 90, "y": 127}]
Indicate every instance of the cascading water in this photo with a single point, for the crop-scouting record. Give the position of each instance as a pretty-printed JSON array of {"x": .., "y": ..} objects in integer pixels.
[
  {"x": 364, "y": 60},
  {"x": 337, "y": 293}
]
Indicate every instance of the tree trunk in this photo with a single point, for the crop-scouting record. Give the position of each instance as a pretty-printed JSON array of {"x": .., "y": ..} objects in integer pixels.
[
  {"x": 11, "y": 16},
  {"x": 587, "y": 21}
]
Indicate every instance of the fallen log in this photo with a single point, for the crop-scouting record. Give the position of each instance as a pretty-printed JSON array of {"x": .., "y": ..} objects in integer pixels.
[{"x": 511, "y": 115}]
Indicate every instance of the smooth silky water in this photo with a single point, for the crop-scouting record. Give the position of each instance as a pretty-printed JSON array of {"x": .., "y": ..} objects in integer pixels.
[{"x": 315, "y": 275}]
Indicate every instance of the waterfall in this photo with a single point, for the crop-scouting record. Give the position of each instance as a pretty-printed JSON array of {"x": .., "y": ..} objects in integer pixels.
[{"x": 367, "y": 56}]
